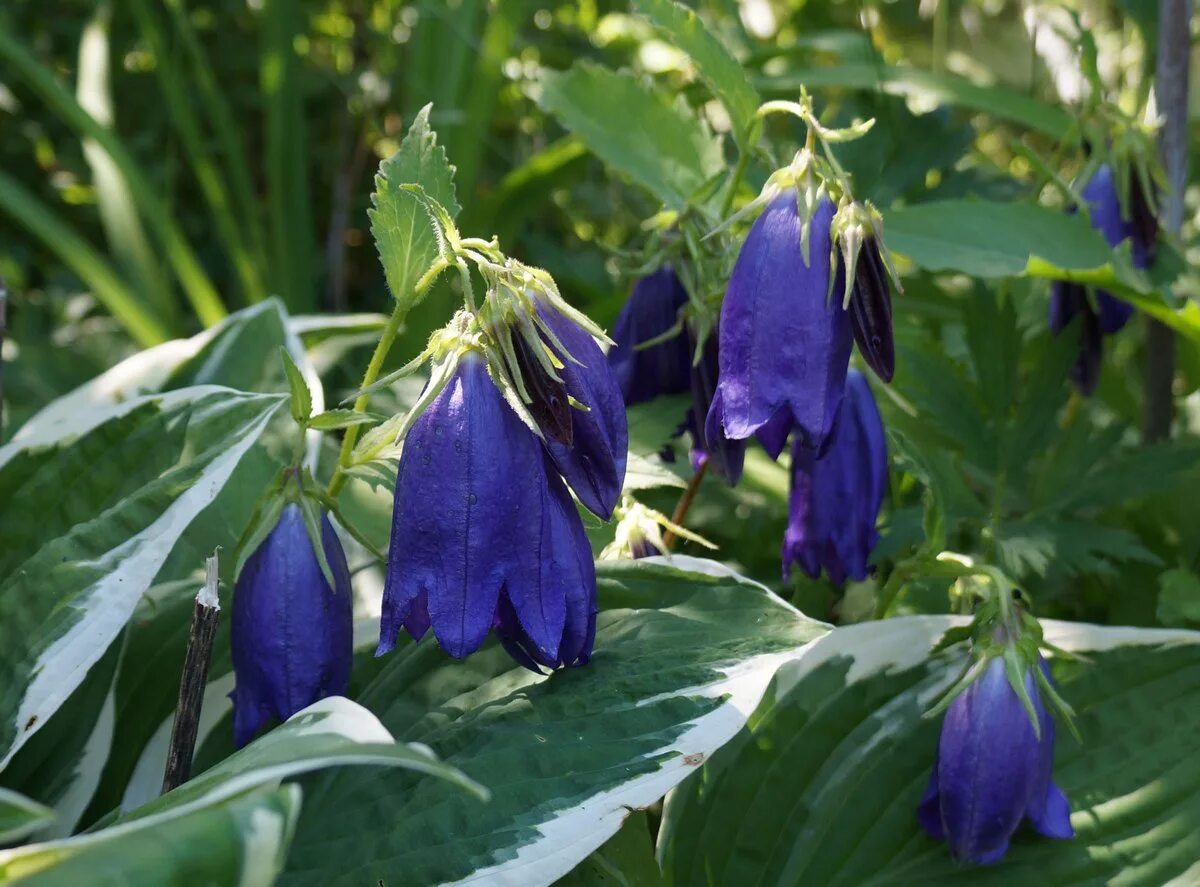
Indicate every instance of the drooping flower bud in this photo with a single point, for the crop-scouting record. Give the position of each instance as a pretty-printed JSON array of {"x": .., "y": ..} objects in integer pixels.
[
  {"x": 484, "y": 533},
  {"x": 291, "y": 634},
  {"x": 992, "y": 770},
  {"x": 784, "y": 341},
  {"x": 835, "y": 499},
  {"x": 857, "y": 232},
  {"x": 652, "y": 311}
]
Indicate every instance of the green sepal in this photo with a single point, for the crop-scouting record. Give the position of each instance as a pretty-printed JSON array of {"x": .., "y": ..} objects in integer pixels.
[
  {"x": 311, "y": 509},
  {"x": 1015, "y": 667},
  {"x": 970, "y": 672},
  {"x": 955, "y": 635},
  {"x": 301, "y": 397},
  {"x": 358, "y": 535},
  {"x": 262, "y": 521}
]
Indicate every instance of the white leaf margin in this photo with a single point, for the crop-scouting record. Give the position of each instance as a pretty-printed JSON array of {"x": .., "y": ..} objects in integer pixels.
[
  {"x": 110, "y": 601},
  {"x": 569, "y": 836}
]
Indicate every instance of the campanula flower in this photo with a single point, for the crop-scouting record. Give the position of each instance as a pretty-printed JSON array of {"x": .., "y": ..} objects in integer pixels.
[
  {"x": 992, "y": 771},
  {"x": 652, "y": 310},
  {"x": 593, "y": 461},
  {"x": 785, "y": 338},
  {"x": 484, "y": 533},
  {"x": 835, "y": 498},
  {"x": 291, "y": 632},
  {"x": 858, "y": 235}
]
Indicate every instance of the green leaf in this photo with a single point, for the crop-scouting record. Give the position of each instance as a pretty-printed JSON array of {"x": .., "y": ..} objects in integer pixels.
[
  {"x": 643, "y": 474},
  {"x": 723, "y": 73},
  {"x": 635, "y": 129},
  {"x": 313, "y": 514},
  {"x": 625, "y": 860},
  {"x": 301, "y": 397},
  {"x": 333, "y": 732},
  {"x": 943, "y": 89},
  {"x": 565, "y": 755},
  {"x": 653, "y": 424},
  {"x": 403, "y": 233},
  {"x": 823, "y": 784},
  {"x": 1179, "y": 597},
  {"x": 993, "y": 239},
  {"x": 332, "y": 420},
  {"x": 240, "y": 842},
  {"x": 139, "y": 471},
  {"x": 19, "y": 816},
  {"x": 1071, "y": 547}
]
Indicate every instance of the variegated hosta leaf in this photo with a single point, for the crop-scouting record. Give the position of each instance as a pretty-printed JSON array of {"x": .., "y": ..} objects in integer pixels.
[
  {"x": 683, "y": 653},
  {"x": 19, "y": 816},
  {"x": 92, "y": 509},
  {"x": 242, "y": 841},
  {"x": 822, "y": 785}
]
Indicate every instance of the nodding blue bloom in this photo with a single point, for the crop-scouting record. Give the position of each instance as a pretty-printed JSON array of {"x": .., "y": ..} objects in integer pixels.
[
  {"x": 992, "y": 771},
  {"x": 871, "y": 311},
  {"x": 1068, "y": 301},
  {"x": 291, "y": 633},
  {"x": 652, "y": 310},
  {"x": 484, "y": 534},
  {"x": 835, "y": 498},
  {"x": 785, "y": 337},
  {"x": 710, "y": 444},
  {"x": 593, "y": 460}
]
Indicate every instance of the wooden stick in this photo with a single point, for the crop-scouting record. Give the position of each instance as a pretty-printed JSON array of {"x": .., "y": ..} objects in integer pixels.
[
  {"x": 1171, "y": 99},
  {"x": 193, "y": 680}
]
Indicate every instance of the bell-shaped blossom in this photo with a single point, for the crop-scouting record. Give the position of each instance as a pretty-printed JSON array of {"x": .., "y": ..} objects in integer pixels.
[
  {"x": 871, "y": 311},
  {"x": 593, "y": 462},
  {"x": 785, "y": 338},
  {"x": 484, "y": 534},
  {"x": 291, "y": 634},
  {"x": 652, "y": 310},
  {"x": 992, "y": 771},
  {"x": 835, "y": 498}
]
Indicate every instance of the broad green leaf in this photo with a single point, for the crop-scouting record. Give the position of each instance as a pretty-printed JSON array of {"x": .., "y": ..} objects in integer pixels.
[
  {"x": 724, "y": 74},
  {"x": 625, "y": 860},
  {"x": 642, "y": 473},
  {"x": 682, "y": 652},
  {"x": 942, "y": 89},
  {"x": 333, "y": 732},
  {"x": 822, "y": 785},
  {"x": 241, "y": 842},
  {"x": 19, "y": 816},
  {"x": 992, "y": 239},
  {"x": 401, "y": 226},
  {"x": 653, "y": 424},
  {"x": 1179, "y": 597},
  {"x": 635, "y": 129},
  {"x": 139, "y": 472}
]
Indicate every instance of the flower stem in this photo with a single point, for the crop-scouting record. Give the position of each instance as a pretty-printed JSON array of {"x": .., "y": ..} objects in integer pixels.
[
  {"x": 685, "y": 503},
  {"x": 734, "y": 181},
  {"x": 360, "y": 405}
]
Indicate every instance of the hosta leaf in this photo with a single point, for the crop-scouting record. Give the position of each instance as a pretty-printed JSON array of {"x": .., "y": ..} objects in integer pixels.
[
  {"x": 680, "y": 656},
  {"x": 111, "y": 502},
  {"x": 400, "y": 224},
  {"x": 634, "y": 129},
  {"x": 823, "y": 784},
  {"x": 19, "y": 816},
  {"x": 724, "y": 74},
  {"x": 240, "y": 842}
]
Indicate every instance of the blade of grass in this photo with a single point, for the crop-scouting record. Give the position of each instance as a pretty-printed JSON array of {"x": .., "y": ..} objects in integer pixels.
[
  {"x": 191, "y": 135},
  {"x": 288, "y": 190},
  {"x": 60, "y": 238},
  {"x": 196, "y": 284},
  {"x": 122, "y": 228},
  {"x": 223, "y": 125}
]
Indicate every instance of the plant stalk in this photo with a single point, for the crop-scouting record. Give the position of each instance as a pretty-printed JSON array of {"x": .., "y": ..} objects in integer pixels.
[{"x": 684, "y": 504}]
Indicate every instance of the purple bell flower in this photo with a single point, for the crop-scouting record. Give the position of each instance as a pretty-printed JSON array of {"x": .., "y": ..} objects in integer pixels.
[
  {"x": 710, "y": 443},
  {"x": 992, "y": 771},
  {"x": 835, "y": 498},
  {"x": 484, "y": 533},
  {"x": 593, "y": 461},
  {"x": 291, "y": 632},
  {"x": 785, "y": 340},
  {"x": 665, "y": 368}
]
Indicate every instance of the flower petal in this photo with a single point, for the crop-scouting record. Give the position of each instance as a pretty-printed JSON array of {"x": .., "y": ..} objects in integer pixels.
[{"x": 652, "y": 309}]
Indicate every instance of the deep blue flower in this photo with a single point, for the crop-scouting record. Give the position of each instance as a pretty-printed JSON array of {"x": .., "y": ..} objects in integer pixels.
[
  {"x": 992, "y": 771},
  {"x": 291, "y": 632},
  {"x": 785, "y": 340},
  {"x": 652, "y": 310},
  {"x": 871, "y": 311},
  {"x": 593, "y": 462},
  {"x": 835, "y": 498},
  {"x": 485, "y": 534}
]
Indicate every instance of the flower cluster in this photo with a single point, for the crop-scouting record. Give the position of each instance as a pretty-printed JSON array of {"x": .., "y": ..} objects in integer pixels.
[
  {"x": 1100, "y": 312},
  {"x": 484, "y": 532}
]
